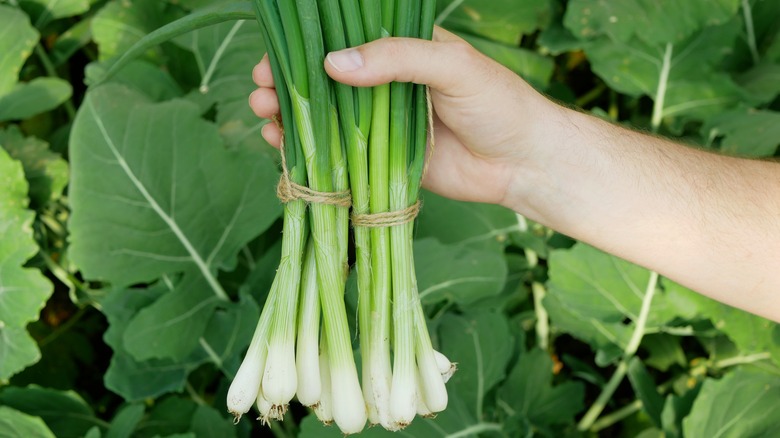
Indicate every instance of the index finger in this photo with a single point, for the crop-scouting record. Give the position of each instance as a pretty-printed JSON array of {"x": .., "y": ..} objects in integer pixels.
[{"x": 262, "y": 74}]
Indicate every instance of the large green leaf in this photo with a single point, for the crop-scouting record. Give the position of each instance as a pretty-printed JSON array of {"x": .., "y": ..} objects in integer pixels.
[
  {"x": 752, "y": 334},
  {"x": 171, "y": 326},
  {"x": 456, "y": 273},
  {"x": 741, "y": 405},
  {"x": 226, "y": 335},
  {"x": 64, "y": 412},
  {"x": 18, "y": 350},
  {"x": 746, "y": 132},
  {"x": 34, "y": 97},
  {"x": 125, "y": 421},
  {"x": 70, "y": 41},
  {"x": 531, "y": 396},
  {"x": 139, "y": 75},
  {"x": 477, "y": 225},
  {"x": 669, "y": 21},
  {"x": 17, "y": 39},
  {"x": 455, "y": 421},
  {"x": 46, "y": 171},
  {"x": 23, "y": 291},
  {"x": 533, "y": 67},
  {"x": 122, "y": 23},
  {"x": 175, "y": 415},
  {"x": 675, "y": 65},
  {"x": 137, "y": 380},
  {"x": 500, "y": 20},
  {"x": 481, "y": 344},
  {"x": 762, "y": 82},
  {"x": 154, "y": 189},
  {"x": 590, "y": 293},
  {"x": 46, "y": 10},
  {"x": 225, "y": 54},
  {"x": 14, "y": 424}
]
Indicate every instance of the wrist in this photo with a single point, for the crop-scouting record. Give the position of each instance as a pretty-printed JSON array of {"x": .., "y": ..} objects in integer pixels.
[{"x": 535, "y": 183}]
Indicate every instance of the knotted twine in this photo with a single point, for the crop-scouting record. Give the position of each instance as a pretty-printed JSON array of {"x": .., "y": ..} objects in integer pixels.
[{"x": 288, "y": 190}]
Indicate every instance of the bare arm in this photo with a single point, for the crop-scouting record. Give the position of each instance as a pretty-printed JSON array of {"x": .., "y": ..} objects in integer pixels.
[{"x": 709, "y": 222}]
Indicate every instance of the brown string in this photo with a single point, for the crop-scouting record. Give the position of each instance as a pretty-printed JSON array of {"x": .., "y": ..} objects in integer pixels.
[
  {"x": 387, "y": 219},
  {"x": 429, "y": 104},
  {"x": 288, "y": 190}
]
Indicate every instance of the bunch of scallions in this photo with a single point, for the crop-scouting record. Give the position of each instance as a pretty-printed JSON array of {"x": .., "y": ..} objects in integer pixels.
[{"x": 349, "y": 155}]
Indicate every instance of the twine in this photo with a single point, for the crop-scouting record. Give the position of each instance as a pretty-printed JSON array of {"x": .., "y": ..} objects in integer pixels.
[
  {"x": 387, "y": 219},
  {"x": 288, "y": 190},
  {"x": 432, "y": 140}
]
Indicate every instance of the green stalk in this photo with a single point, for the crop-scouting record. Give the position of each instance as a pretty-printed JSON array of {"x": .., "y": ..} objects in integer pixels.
[
  {"x": 314, "y": 127},
  {"x": 357, "y": 158},
  {"x": 355, "y": 37},
  {"x": 340, "y": 184},
  {"x": 280, "y": 379},
  {"x": 431, "y": 384},
  {"x": 279, "y": 376},
  {"x": 379, "y": 152},
  {"x": 403, "y": 389},
  {"x": 371, "y": 12},
  {"x": 421, "y": 117},
  {"x": 308, "y": 343}
]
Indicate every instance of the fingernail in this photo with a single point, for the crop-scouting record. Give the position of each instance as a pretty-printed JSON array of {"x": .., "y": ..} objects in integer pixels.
[{"x": 345, "y": 60}]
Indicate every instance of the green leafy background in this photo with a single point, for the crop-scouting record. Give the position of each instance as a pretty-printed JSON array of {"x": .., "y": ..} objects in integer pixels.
[{"x": 139, "y": 228}]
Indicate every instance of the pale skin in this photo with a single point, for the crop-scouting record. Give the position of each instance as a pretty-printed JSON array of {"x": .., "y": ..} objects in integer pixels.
[{"x": 706, "y": 221}]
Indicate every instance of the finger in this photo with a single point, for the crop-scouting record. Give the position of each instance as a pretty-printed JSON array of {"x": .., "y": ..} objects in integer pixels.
[
  {"x": 262, "y": 74},
  {"x": 448, "y": 64},
  {"x": 272, "y": 134},
  {"x": 264, "y": 102}
]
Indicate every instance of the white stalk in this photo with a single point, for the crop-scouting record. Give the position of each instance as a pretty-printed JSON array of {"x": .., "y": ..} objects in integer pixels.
[
  {"x": 324, "y": 409},
  {"x": 446, "y": 368},
  {"x": 422, "y": 407},
  {"x": 368, "y": 393},
  {"x": 349, "y": 408},
  {"x": 307, "y": 355},
  {"x": 431, "y": 381},
  {"x": 264, "y": 407},
  {"x": 403, "y": 390},
  {"x": 280, "y": 380},
  {"x": 431, "y": 384},
  {"x": 381, "y": 376},
  {"x": 246, "y": 385}
]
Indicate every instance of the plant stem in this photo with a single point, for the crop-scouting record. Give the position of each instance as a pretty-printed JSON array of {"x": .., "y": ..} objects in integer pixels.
[
  {"x": 204, "y": 83},
  {"x": 476, "y": 429},
  {"x": 749, "y": 28},
  {"x": 663, "y": 82},
  {"x": 742, "y": 360},
  {"x": 616, "y": 416},
  {"x": 620, "y": 372},
  {"x": 542, "y": 318},
  {"x": 51, "y": 71},
  {"x": 448, "y": 10}
]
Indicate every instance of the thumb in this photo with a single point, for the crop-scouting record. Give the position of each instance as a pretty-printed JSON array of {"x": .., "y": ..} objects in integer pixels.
[{"x": 448, "y": 64}]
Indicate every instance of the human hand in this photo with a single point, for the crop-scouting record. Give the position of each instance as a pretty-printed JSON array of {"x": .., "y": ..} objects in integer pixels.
[{"x": 488, "y": 121}]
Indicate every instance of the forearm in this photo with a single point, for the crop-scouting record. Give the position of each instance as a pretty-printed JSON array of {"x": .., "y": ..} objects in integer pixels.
[{"x": 709, "y": 222}]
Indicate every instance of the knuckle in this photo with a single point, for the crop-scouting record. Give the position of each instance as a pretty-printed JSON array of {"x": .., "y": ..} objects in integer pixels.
[{"x": 461, "y": 51}]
